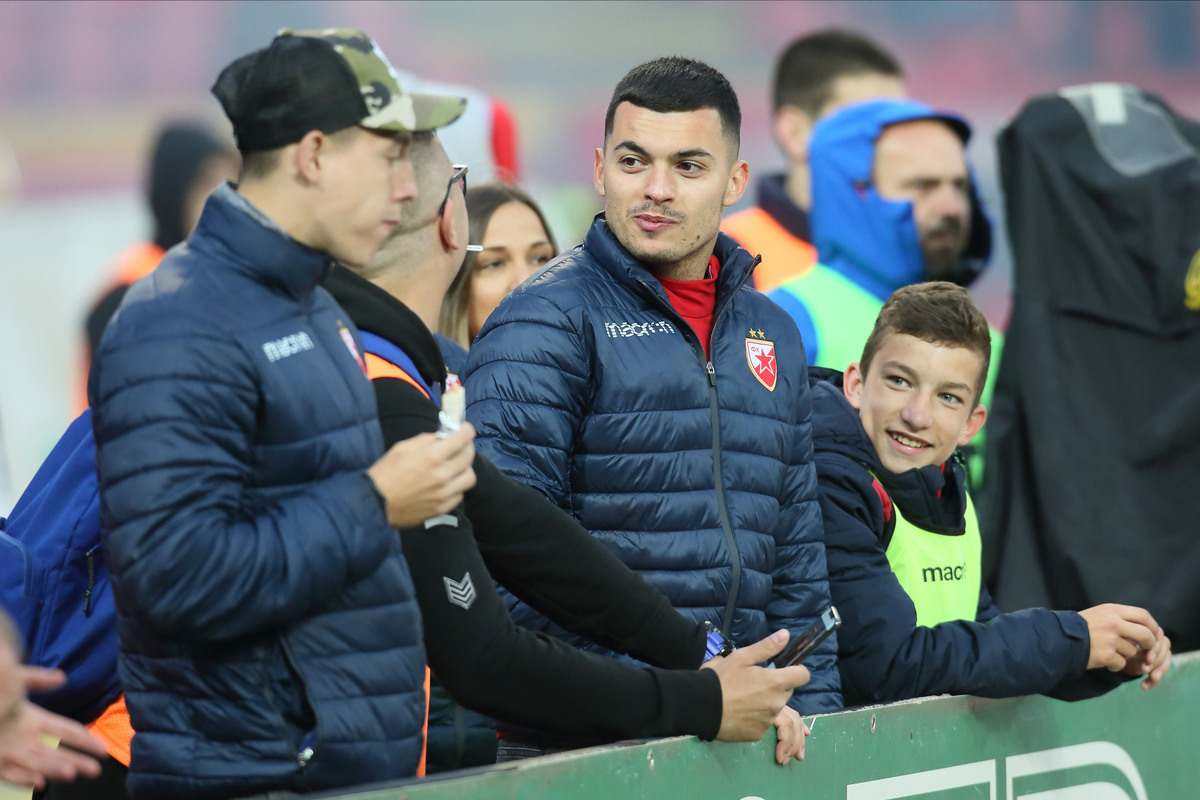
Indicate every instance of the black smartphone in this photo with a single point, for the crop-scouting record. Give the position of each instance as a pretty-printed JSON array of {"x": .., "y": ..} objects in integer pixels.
[{"x": 802, "y": 646}]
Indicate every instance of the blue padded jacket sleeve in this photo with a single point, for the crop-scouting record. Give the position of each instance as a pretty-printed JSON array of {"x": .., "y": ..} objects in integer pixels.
[
  {"x": 799, "y": 584},
  {"x": 527, "y": 381},
  {"x": 885, "y": 656},
  {"x": 174, "y": 415}
]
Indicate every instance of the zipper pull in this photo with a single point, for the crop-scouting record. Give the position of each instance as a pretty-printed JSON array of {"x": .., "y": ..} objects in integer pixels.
[
  {"x": 712, "y": 374},
  {"x": 87, "y": 596},
  {"x": 306, "y": 749}
]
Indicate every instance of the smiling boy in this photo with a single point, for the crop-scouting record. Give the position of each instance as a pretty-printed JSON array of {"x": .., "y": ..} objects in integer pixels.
[{"x": 901, "y": 536}]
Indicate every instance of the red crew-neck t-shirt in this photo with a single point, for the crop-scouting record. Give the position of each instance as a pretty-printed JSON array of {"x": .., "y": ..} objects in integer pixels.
[{"x": 696, "y": 301}]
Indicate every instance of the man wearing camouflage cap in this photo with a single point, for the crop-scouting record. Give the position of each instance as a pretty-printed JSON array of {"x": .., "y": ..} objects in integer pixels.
[{"x": 269, "y": 636}]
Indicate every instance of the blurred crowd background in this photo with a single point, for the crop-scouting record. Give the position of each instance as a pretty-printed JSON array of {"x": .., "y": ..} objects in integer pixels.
[{"x": 85, "y": 85}]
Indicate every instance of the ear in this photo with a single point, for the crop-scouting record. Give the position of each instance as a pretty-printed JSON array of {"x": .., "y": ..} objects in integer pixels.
[
  {"x": 450, "y": 240},
  {"x": 738, "y": 178},
  {"x": 852, "y": 383},
  {"x": 972, "y": 425},
  {"x": 598, "y": 177},
  {"x": 308, "y": 156},
  {"x": 792, "y": 128}
]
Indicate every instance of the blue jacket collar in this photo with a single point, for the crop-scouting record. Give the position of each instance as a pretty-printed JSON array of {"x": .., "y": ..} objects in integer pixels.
[
  {"x": 256, "y": 246},
  {"x": 602, "y": 244},
  {"x": 870, "y": 240}
]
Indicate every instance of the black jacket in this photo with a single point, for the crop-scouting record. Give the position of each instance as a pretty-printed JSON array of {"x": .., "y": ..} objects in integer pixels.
[
  {"x": 882, "y": 653},
  {"x": 1095, "y": 430},
  {"x": 487, "y": 663}
]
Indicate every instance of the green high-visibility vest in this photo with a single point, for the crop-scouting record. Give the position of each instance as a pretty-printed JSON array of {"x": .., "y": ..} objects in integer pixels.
[
  {"x": 940, "y": 573},
  {"x": 842, "y": 312}
]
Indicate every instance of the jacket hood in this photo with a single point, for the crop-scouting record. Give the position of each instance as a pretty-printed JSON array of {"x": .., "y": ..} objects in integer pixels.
[
  {"x": 871, "y": 240},
  {"x": 180, "y": 152},
  {"x": 933, "y": 497}
]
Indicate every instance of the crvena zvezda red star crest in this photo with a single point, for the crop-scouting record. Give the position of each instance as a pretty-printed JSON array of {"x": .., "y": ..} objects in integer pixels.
[{"x": 760, "y": 355}]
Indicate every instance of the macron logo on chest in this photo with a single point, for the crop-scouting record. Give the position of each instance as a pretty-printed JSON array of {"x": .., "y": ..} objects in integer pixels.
[
  {"x": 287, "y": 346},
  {"x": 625, "y": 330}
]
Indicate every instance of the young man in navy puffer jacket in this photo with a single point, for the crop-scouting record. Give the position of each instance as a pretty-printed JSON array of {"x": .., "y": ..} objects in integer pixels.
[
  {"x": 269, "y": 636},
  {"x": 643, "y": 385}
]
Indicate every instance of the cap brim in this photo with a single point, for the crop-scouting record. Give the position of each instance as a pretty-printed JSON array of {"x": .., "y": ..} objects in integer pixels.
[{"x": 416, "y": 112}]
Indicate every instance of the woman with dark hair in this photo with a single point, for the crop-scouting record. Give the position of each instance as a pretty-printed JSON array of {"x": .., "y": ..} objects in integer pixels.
[{"x": 516, "y": 243}]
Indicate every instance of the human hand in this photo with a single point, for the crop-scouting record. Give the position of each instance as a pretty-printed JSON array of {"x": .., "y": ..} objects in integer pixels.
[
  {"x": 1152, "y": 663},
  {"x": 752, "y": 696},
  {"x": 792, "y": 734},
  {"x": 25, "y": 757},
  {"x": 1117, "y": 633},
  {"x": 425, "y": 476}
]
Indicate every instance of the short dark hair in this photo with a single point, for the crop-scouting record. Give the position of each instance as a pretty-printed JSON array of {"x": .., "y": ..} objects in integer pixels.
[
  {"x": 259, "y": 163},
  {"x": 938, "y": 312},
  {"x": 674, "y": 84},
  {"x": 805, "y": 72}
]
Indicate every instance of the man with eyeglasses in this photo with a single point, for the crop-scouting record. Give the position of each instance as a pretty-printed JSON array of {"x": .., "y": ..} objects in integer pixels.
[
  {"x": 507, "y": 529},
  {"x": 269, "y": 635}
]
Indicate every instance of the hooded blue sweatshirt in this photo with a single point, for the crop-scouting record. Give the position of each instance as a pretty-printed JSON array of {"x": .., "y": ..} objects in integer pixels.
[{"x": 870, "y": 240}]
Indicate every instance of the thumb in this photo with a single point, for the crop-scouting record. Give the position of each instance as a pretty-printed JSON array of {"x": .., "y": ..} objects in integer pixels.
[{"x": 763, "y": 649}]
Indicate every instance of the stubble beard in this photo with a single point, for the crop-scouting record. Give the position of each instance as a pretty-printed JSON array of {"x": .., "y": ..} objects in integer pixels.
[
  {"x": 663, "y": 262},
  {"x": 941, "y": 260}
]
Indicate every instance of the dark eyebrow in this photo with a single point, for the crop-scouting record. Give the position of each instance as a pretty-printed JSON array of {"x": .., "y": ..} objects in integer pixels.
[
  {"x": 695, "y": 152},
  {"x": 629, "y": 144}
]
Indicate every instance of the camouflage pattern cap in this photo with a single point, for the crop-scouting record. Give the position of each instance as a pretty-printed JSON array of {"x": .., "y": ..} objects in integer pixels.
[
  {"x": 390, "y": 108},
  {"x": 323, "y": 80}
]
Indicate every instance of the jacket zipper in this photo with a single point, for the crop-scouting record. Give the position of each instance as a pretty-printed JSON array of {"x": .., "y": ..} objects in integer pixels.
[
  {"x": 91, "y": 587},
  {"x": 735, "y": 557},
  {"x": 309, "y": 744},
  {"x": 307, "y": 748},
  {"x": 722, "y": 511}
]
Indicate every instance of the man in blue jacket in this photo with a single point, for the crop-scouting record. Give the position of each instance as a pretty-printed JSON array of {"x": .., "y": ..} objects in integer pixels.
[
  {"x": 269, "y": 635},
  {"x": 903, "y": 541},
  {"x": 643, "y": 386}
]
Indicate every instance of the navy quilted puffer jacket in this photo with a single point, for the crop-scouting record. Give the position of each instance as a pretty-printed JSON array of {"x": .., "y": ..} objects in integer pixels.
[
  {"x": 269, "y": 636},
  {"x": 586, "y": 384}
]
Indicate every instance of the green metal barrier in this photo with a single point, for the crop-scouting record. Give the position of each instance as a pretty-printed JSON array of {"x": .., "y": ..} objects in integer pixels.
[{"x": 1127, "y": 745}]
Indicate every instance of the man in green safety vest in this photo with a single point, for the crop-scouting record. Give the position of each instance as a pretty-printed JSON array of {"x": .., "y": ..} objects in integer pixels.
[{"x": 902, "y": 541}]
